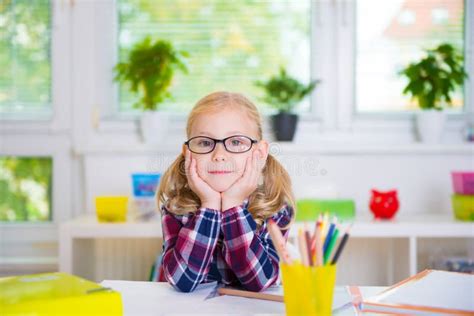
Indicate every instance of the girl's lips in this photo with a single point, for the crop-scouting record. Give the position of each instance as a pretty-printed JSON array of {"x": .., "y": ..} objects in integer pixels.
[{"x": 219, "y": 172}]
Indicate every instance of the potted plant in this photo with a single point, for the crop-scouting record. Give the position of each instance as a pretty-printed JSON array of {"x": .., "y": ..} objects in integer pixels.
[
  {"x": 431, "y": 82},
  {"x": 283, "y": 93},
  {"x": 149, "y": 70}
]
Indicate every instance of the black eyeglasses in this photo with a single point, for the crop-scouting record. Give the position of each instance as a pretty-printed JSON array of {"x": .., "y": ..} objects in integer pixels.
[{"x": 234, "y": 144}]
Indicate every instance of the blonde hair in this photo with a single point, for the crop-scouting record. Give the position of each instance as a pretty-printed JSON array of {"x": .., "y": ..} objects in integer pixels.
[{"x": 266, "y": 200}]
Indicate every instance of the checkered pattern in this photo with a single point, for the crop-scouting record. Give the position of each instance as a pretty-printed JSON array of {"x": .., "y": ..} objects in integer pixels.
[{"x": 210, "y": 245}]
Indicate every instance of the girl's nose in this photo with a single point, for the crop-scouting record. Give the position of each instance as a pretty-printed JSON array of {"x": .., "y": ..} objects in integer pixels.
[{"x": 219, "y": 153}]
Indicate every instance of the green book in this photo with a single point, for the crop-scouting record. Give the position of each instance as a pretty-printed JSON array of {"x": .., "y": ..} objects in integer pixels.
[{"x": 309, "y": 209}]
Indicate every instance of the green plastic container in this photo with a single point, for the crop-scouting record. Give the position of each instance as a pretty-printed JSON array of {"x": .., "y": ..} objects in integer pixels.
[
  {"x": 309, "y": 209},
  {"x": 463, "y": 207}
]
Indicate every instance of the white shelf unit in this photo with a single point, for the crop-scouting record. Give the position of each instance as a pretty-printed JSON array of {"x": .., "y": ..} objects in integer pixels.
[
  {"x": 98, "y": 251},
  {"x": 378, "y": 252},
  {"x": 384, "y": 252}
]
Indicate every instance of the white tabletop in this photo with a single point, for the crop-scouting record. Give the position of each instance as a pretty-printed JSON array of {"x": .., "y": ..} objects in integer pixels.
[{"x": 159, "y": 298}]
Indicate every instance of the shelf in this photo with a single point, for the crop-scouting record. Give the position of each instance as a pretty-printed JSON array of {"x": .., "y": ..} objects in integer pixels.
[
  {"x": 421, "y": 225},
  {"x": 87, "y": 226},
  {"x": 416, "y": 226},
  {"x": 32, "y": 261}
]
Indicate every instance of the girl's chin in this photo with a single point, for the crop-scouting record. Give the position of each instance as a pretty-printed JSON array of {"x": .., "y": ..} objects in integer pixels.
[{"x": 220, "y": 186}]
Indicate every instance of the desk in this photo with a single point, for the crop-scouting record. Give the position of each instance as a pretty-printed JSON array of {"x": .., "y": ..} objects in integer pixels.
[{"x": 159, "y": 298}]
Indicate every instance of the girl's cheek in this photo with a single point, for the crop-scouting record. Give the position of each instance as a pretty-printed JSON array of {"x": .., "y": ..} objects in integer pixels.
[
  {"x": 198, "y": 167},
  {"x": 201, "y": 167},
  {"x": 243, "y": 165}
]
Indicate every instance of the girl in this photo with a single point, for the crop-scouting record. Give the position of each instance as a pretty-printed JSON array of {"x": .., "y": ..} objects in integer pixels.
[{"x": 214, "y": 208}]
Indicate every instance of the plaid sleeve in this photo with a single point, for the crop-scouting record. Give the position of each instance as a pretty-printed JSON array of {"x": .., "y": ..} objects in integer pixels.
[
  {"x": 250, "y": 253},
  {"x": 189, "y": 243}
]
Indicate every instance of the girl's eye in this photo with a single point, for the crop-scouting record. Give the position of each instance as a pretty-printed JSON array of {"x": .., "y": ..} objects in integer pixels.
[
  {"x": 204, "y": 143},
  {"x": 236, "y": 142}
]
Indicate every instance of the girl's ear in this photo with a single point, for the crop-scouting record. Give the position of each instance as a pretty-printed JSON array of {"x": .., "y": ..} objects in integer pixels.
[
  {"x": 263, "y": 148},
  {"x": 183, "y": 150}
]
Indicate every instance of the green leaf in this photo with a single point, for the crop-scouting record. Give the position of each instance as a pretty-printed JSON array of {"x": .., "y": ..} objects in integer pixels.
[
  {"x": 149, "y": 70},
  {"x": 433, "y": 78},
  {"x": 284, "y": 92}
]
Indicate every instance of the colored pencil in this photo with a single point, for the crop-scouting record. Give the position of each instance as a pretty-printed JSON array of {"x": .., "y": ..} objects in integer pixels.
[
  {"x": 313, "y": 239},
  {"x": 324, "y": 226},
  {"x": 249, "y": 294},
  {"x": 278, "y": 241},
  {"x": 303, "y": 248},
  {"x": 308, "y": 247},
  {"x": 328, "y": 237},
  {"x": 319, "y": 248},
  {"x": 332, "y": 243},
  {"x": 341, "y": 246}
]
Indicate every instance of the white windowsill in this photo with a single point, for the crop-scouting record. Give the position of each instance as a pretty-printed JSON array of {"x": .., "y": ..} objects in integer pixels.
[{"x": 285, "y": 148}]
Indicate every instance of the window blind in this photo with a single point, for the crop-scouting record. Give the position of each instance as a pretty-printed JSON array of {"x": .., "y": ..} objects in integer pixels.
[{"x": 231, "y": 44}]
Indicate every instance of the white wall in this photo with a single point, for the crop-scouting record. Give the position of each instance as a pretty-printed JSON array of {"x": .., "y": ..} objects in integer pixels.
[
  {"x": 422, "y": 178},
  {"x": 420, "y": 173}
]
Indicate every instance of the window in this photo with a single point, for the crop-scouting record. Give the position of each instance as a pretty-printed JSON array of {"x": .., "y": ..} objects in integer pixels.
[
  {"x": 25, "y": 189},
  {"x": 231, "y": 43},
  {"x": 396, "y": 34},
  {"x": 25, "y": 41}
]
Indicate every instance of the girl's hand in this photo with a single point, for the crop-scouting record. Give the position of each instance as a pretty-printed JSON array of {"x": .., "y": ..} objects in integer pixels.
[
  {"x": 245, "y": 185},
  {"x": 208, "y": 196}
]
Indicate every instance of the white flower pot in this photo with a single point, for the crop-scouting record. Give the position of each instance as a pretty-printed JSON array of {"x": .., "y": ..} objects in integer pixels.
[
  {"x": 154, "y": 126},
  {"x": 429, "y": 126}
]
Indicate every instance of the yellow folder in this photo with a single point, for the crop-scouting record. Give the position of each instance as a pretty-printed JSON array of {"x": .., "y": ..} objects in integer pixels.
[{"x": 56, "y": 293}]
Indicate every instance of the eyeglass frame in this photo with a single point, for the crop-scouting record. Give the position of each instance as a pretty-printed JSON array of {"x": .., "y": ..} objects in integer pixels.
[{"x": 223, "y": 140}]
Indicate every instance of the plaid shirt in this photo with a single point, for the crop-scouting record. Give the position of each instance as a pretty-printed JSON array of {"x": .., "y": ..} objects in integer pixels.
[{"x": 210, "y": 245}]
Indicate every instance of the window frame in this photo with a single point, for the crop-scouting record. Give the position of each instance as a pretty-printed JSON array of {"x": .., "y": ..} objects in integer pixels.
[
  {"x": 333, "y": 113},
  {"x": 60, "y": 73},
  {"x": 350, "y": 119},
  {"x": 39, "y": 136}
]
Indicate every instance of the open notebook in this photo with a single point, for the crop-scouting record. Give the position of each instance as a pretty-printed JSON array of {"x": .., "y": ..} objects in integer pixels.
[{"x": 430, "y": 292}]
